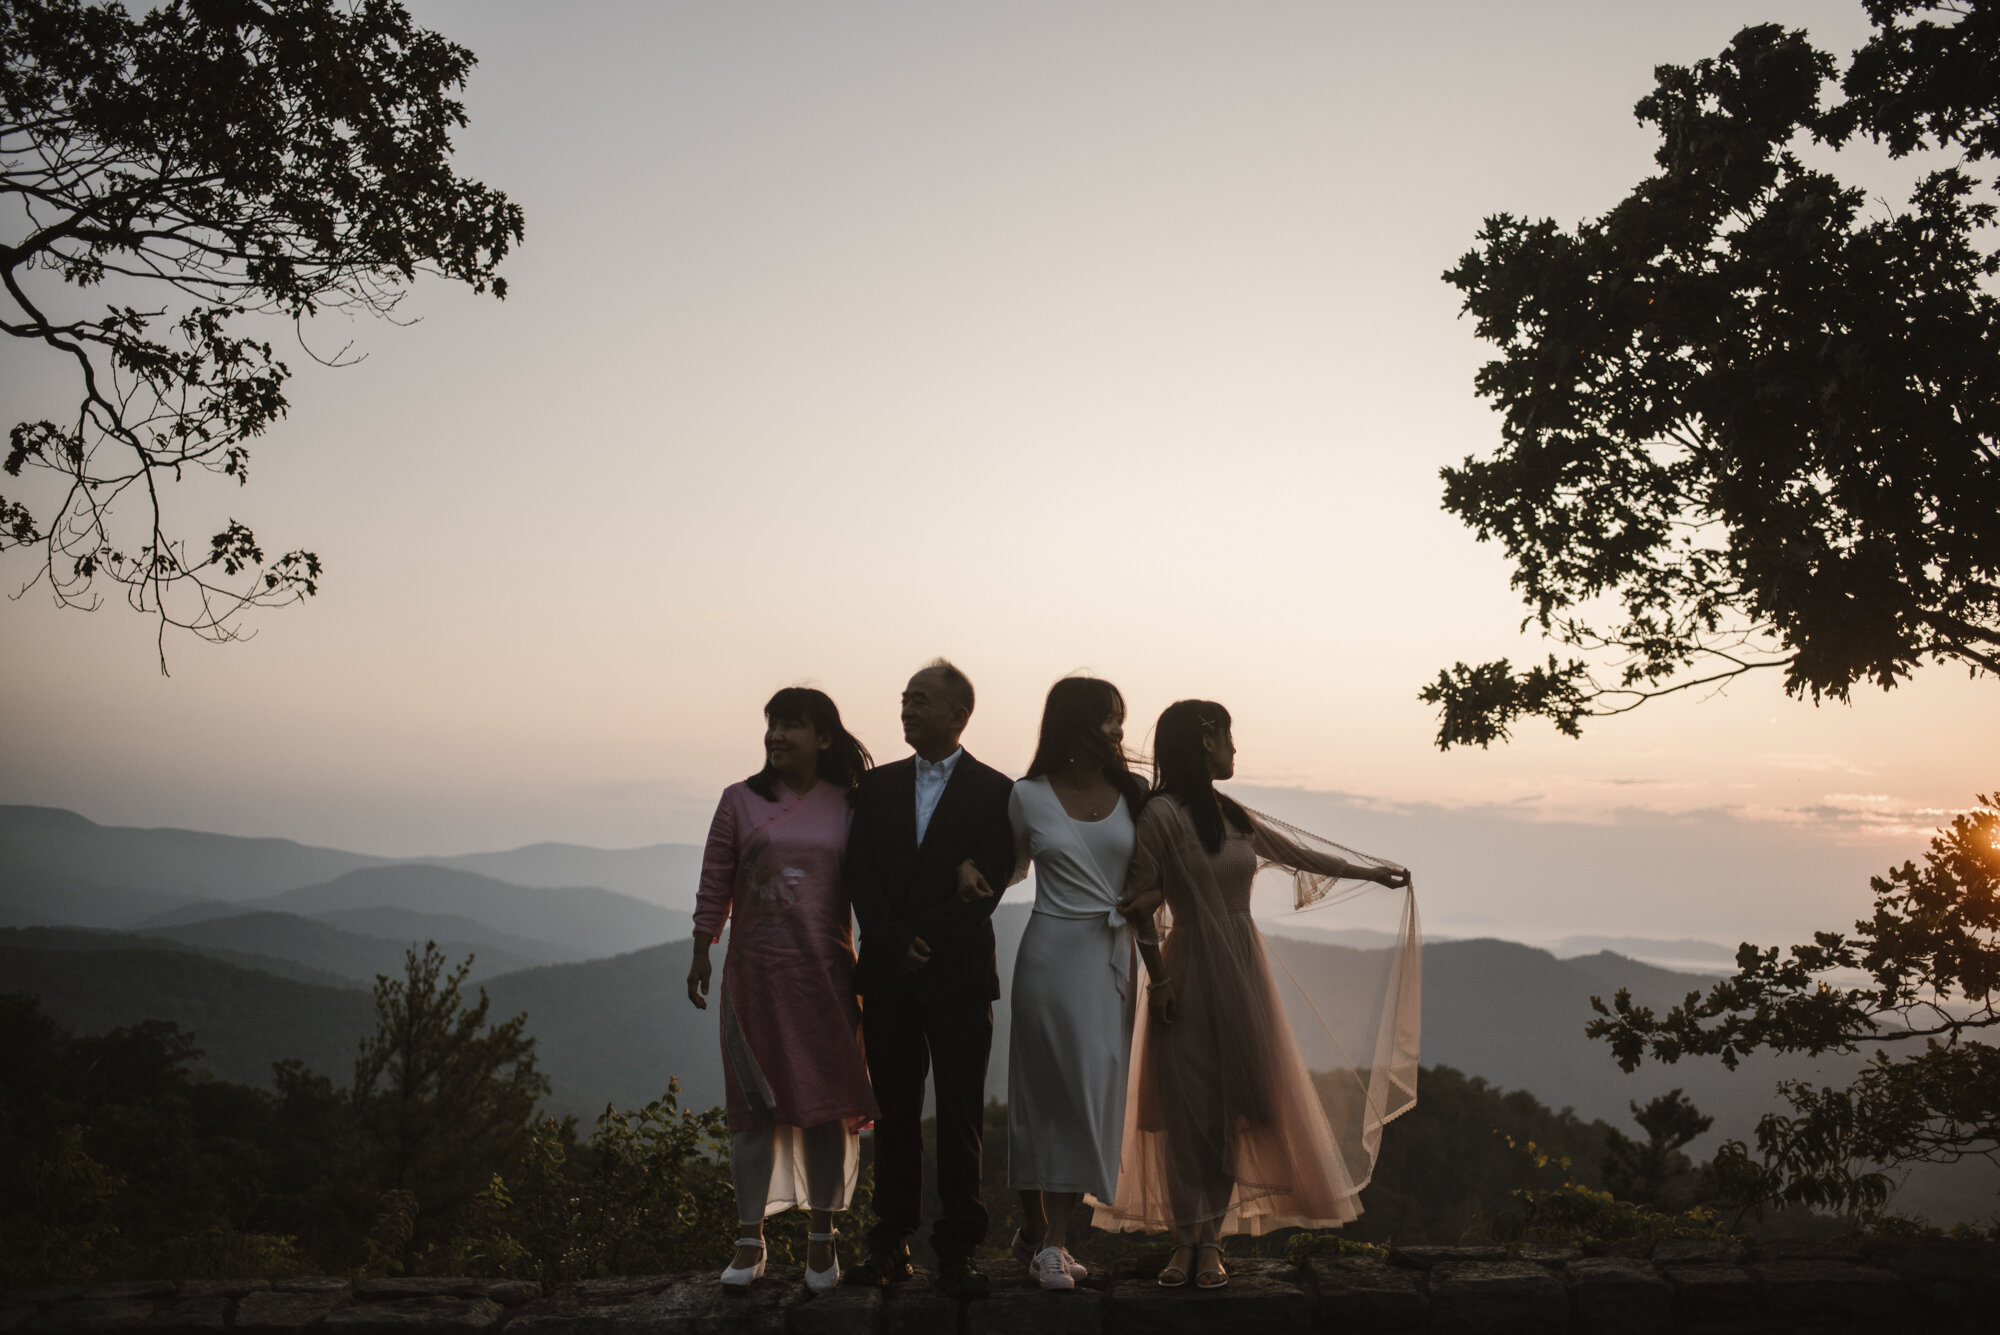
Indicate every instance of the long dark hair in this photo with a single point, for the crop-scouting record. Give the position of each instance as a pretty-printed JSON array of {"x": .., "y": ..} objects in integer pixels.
[
  {"x": 1073, "y": 720},
  {"x": 1180, "y": 767},
  {"x": 840, "y": 764}
]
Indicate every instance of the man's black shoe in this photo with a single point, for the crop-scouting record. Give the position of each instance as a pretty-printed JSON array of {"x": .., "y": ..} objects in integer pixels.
[
  {"x": 959, "y": 1277},
  {"x": 881, "y": 1268}
]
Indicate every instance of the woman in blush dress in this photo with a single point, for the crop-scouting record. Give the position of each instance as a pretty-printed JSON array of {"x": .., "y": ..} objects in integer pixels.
[
  {"x": 791, "y": 1046},
  {"x": 1224, "y": 1130},
  {"x": 1073, "y": 816}
]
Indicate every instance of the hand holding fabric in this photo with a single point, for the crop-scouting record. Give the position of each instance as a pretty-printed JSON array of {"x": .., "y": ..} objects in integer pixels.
[{"x": 1160, "y": 1001}]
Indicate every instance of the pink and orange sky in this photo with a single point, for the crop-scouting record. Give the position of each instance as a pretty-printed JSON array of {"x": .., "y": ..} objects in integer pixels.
[{"x": 1044, "y": 336}]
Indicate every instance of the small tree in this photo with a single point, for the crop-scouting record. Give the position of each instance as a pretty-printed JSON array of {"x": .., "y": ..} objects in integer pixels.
[
  {"x": 1750, "y": 417},
  {"x": 205, "y": 161},
  {"x": 1645, "y": 1171},
  {"x": 1931, "y": 955},
  {"x": 441, "y": 1097}
]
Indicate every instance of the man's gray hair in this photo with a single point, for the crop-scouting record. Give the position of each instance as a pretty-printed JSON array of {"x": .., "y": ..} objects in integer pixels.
[{"x": 956, "y": 684}]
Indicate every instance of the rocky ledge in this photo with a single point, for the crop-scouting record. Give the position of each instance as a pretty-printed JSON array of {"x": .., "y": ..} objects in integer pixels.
[{"x": 1702, "y": 1288}]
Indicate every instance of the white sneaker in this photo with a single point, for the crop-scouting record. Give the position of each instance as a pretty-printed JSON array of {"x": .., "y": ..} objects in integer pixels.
[
  {"x": 741, "y": 1277},
  {"x": 819, "y": 1281},
  {"x": 1025, "y": 1254},
  {"x": 1049, "y": 1271}
]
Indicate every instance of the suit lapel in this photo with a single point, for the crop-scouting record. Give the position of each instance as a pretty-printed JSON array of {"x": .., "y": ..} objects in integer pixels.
[
  {"x": 949, "y": 800},
  {"x": 902, "y": 785}
]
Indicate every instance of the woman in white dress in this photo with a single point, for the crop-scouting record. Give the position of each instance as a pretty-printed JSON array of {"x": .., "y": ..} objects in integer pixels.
[{"x": 1073, "y": 816}]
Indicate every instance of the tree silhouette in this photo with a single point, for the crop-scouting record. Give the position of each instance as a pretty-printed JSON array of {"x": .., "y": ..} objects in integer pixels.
[
  {"x": 1930, "y": 954},
  {"x": 1751, "y": 418},
  {"x": 440, "y": 1095},
  {"x": 202, "y": 163}
]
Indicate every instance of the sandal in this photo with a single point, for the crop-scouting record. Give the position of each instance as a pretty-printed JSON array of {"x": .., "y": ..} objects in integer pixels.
[
  {"x": 1175, "y": 1276},
  {"x": 741, "y": 1277},
  {"x": 819, "y": 1281},
  {"x": 1210, "y": 1277}
]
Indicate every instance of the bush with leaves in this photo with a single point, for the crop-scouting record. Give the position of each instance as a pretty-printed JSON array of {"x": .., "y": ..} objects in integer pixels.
[
  {"x": 1930, "y": 955},
  {"x": 118, "y": 1158},
  {"x": 1572, "y": 1212},
  {"x": 649, "y": 1192}
]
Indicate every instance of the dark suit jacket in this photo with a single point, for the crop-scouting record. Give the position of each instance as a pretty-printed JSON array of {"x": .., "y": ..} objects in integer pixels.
[{"x": 902, "y": 891}]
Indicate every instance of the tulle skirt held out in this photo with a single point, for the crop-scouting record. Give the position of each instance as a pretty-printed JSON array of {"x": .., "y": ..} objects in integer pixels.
[{"x": 1223, "y": 1125}]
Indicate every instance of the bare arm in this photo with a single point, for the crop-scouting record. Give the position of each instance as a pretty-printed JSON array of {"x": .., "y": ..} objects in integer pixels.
[{"x": 1273, "y": 844}]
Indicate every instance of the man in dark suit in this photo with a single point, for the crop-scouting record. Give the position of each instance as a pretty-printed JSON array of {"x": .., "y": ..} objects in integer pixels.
[{"x": 930, "y": 840}]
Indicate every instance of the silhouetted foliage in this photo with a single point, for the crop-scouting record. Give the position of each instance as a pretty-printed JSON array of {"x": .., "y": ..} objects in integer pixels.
[
  {"x": 1930, "y": 954},
  {"x": 116, "y": 1159},
  {"x": 118, "y": 1156},
  {"x": 1647, "y": 1172},
  {"x": 1447, "y": 1171},
  {"x": 1751, "y": 417},
  {"x": 1572, "y": 1212},
  {"x": 205, "y": 161},
  {"x": 440, "y": 1095}
]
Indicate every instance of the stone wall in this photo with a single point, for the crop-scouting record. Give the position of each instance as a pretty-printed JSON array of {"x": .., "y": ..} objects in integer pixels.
[{"x": 1702, "y": 1288}]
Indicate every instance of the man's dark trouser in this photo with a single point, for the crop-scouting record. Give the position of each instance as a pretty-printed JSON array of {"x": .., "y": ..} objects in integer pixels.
[{"x": 905, "y": 1038}]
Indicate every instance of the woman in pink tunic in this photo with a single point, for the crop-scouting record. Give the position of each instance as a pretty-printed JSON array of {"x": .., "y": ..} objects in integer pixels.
[{"x": 798, "y": 1087}]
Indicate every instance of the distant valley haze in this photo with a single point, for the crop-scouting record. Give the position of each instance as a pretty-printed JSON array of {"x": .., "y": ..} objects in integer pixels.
[{"x": 265, "y": 949}]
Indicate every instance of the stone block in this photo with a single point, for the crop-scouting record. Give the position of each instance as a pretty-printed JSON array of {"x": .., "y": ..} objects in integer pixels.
[
  {"x": 1619, "y": 1296},
  {"x": 222, "y": 1288},
  {"x": 1697, "y": 1251},
  {"x": 383, "y": 1290},
  {"x": 848, "y": 1310},
  {"x": 702, "y": 1306},
  {"x": 284, "y": 1313},
  {"x": 313, "y": 1284},
  {"x": 1717, "y": 1300},
  {"x": 1019, "y": 1306},
  {"x": 1267, "y": 1297},
  {"x": 45, "y": 1293},
  {"x": 513, "y": 1292},
  {"x": 16, "y": 1316},
  {"x": 95, "y": 1314},
  {"x": 917, "y": 1306},
  {"x": 436, "y": 1314},
  {"x": 1807, "y": 1249},
  {"x": 205, "y": 1315},
  {"x": 1423, "y": 1258},
  {"x": 1497, "y": 1298},
  {"x": 664, "y": 1305},
  {"x": 1824, "y": 1291},
  {"x": 1361, "y": 1293},
  {"x": 1952, "y": 1276},
  {"x": 619, "y": 1288},
  {"x": 1547, "y": 1255},
  {"x": 132, "y": 1288}
]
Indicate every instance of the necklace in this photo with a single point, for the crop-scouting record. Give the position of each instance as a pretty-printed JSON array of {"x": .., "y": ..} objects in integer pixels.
[{"x": 1091, "y": 810}]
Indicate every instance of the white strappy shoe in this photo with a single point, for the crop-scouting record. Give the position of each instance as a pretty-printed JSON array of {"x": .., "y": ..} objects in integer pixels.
[
  {"x": 740, "y": 1277},
  {"x": 819, "y": 1281}
]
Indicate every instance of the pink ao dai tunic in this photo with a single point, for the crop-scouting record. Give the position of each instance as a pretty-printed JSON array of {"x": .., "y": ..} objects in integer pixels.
[{"x": 791, "y": 1025}]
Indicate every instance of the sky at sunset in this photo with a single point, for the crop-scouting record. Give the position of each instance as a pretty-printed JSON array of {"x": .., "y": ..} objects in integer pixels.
[{"x": 1043, "y": 336}]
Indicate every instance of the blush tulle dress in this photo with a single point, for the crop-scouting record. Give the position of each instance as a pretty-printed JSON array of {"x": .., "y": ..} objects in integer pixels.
[{"x": 1224, "y": 1126}]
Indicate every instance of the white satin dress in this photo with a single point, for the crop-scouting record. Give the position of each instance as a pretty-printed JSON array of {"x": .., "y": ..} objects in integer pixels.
[{"x": 1069, "y": 1055}]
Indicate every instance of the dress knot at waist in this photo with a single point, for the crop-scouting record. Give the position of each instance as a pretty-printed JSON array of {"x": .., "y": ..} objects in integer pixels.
[{"x": 1121, "y": 938}]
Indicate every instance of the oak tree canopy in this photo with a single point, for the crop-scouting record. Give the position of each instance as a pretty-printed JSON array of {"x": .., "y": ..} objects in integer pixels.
[
  {"x": 1750, "y": 417},
  {"x": 168, "y": 175}
]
